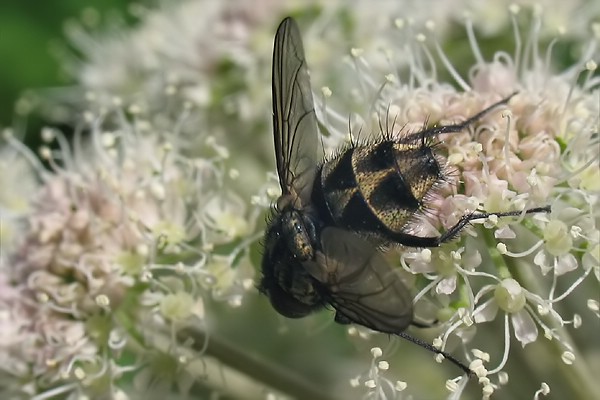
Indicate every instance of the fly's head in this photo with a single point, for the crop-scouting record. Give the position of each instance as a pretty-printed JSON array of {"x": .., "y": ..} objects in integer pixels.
[{"x": 289, "y": 242}]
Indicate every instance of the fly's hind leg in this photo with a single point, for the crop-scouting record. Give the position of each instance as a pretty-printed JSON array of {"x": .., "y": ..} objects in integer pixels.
[
  {"x": 454, "y": 231},
  {"x": 454, "y": 128},
  {"x": 435, "y": 241}
]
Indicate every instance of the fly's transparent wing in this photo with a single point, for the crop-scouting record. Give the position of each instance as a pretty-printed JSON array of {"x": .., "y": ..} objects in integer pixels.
[
  {"x": 294, "y": 121},
  {"x": 362, "y": 287}
]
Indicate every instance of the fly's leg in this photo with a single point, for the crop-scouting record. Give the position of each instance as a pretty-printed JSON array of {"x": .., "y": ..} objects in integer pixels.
[
  {"x": 435, "y": 241},
  {"x": 454, "y": 128}
]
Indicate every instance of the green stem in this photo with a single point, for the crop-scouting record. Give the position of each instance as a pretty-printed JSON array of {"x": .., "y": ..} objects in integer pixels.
[
  {"x": 256, "y": 367},
  {"x": 498, "y": 259}
]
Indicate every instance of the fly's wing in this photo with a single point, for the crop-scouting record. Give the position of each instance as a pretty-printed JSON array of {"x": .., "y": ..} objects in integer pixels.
[
  {"x": 294, "y": 121},
  {"x": 360, "y": 284}
]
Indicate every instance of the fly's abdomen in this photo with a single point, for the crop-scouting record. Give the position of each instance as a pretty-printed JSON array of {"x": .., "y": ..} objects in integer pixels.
[{"x": 376, "y": 189}]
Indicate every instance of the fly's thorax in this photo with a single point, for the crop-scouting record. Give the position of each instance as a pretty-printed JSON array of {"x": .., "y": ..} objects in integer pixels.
[{"x": 376, "y": 189}]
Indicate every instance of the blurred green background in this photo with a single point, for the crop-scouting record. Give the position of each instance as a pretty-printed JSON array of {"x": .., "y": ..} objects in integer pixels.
[{"x": 30, "y": 32}]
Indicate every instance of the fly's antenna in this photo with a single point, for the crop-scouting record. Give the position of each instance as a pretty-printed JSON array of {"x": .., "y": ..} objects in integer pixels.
[{"x": 430, "y": 347}]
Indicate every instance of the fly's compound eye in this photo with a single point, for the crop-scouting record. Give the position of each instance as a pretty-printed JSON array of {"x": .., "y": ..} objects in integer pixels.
[{"x": 287, "y": 305}]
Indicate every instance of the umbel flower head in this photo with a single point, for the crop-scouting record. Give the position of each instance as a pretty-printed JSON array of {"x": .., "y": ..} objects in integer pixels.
[
  {"x": 141, "y": 228},
  {"x": 542, "y": 149},
  {"x": 118, "y": 244}
]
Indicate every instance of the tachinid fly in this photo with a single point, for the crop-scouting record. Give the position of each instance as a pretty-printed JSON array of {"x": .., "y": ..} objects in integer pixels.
[{"x": 321, "y": 245}]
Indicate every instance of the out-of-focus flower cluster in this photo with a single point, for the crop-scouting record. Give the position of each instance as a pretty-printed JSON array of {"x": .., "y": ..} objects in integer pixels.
[
  {"x": 149, "y": 216},
  {"x": 126, "y": 235}
]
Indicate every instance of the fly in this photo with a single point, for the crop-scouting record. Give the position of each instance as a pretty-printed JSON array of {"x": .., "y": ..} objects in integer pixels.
[{"x": 321, "y": 243}]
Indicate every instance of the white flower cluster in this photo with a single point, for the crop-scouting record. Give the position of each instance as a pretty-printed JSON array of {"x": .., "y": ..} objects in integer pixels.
[
  {"x": 542, "y": 149},
  {"x": 119, "y": 242}
]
